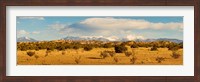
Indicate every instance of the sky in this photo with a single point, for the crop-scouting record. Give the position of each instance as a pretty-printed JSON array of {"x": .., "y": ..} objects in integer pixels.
[{"x": 110, "y": 27}]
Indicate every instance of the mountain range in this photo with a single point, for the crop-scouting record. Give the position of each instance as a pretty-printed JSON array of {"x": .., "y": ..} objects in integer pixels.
[
  {"x": 26, "y": 39},
  {"x": 100, "y": 38}
]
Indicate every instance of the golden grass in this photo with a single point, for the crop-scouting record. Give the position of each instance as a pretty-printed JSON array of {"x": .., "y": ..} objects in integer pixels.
[{"x": 144, "y": 57}]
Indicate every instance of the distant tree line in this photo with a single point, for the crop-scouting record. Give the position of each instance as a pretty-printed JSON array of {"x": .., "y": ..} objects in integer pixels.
[{"x": 119, "y": 48}]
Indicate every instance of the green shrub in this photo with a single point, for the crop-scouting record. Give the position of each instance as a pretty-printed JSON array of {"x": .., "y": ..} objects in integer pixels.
[{"x": 120, "y": 49}]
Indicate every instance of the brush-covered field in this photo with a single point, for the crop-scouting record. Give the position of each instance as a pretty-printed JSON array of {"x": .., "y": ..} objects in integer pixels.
[{"x": 101, "y": 56}]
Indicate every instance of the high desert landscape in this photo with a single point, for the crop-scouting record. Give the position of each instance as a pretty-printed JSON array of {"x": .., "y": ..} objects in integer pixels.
[{"x": 99, "y": 40}]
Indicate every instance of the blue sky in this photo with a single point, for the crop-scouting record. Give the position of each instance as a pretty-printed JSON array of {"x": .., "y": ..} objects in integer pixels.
[{"x": 56, "y": 27}]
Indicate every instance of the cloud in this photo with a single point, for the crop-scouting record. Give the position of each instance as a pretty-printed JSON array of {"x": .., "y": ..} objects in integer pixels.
[
  {"x": 31, "y": 17},
  {"x": 134, "y": 37},
  {"x": 57, "y": 26},
  {"x": 128, "y": 24},
  {"x": 23, "y": 32},
  {"x": 35, "y": 32},
  {"x": 116, "y": 26}
]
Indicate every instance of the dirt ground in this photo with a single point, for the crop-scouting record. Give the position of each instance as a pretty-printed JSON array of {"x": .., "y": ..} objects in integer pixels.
[{"x": 80, "y": 57}]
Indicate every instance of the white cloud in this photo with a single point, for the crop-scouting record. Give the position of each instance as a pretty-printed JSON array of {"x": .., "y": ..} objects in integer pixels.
[
  {"x": 31, "y": 17},
  {"x": 122, "y": 28},
  {"x": 36, "y": 32},
  {"x": 57, "y": 26},
  {"x": 112, "y": 38},
  {"x": 133, "y": 37},
  {"x": 22, "y": 32},
  {"x": 128, "y": 24}
]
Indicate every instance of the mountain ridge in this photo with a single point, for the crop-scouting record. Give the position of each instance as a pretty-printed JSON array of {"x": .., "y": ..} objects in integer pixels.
[{"x": 100, "y": 38}]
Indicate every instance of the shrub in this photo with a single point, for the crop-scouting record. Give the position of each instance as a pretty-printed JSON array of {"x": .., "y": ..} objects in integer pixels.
[
  {"x": 60, "y": 48},
  {"x": 133, "y": 59},
  {"x": 175, "y": 55},
  {"x": 154, "y": 48},
  {"x": 116, "y": 59},
  {"x": 104, "y": 54},
  {"x": 134, "y": 46},
  {"x": 75, "y": 47},
  {"x": 77, "y": 59},
  {"x": 112, "y": 53},
  {"x": 30, "y": 53},
  {"x": 160, "y": 59},
  {"x": 36, "y": 56},
  {"x": 49, "y": 49},
  {"x": 87, "y": 48},
  {"x": 47, "y": 53},
  {"x": 24, "y": 49},
  {"x": 107, "y": 45},
  {"x": 120, "y": 49},
  {"x": 63, "y": 52},
  {"x": 128, "y": 54}
]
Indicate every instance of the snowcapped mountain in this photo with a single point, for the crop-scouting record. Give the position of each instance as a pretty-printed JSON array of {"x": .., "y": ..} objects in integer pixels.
[
  {"x": 101, "y": 38},
  {"x": 85, "y": 38},
  {"x": 25, "y": 39},
  {"x": 159, "y": 39}
]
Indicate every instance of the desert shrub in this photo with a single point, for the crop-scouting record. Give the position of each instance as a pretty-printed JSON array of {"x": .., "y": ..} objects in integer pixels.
[
  {"x": 120, "y": 49},
  {"x": 142, "y": 62},
  {"x": 60, "y": 48},
  {"x": 111, "y": 53},
  {"x": 154, "y": 48},
  {"x": 77, "y": 59},
  {"x": 133, "y": 59},
  {"x": 174, "y": 46},
  {"x": 76, "y": 47},
  {"x": 116, "y": 59},
  {"x": 107, "y": 45},
  {"x": 36, "y": 56},
  {"x": 181, "y": 45},
  {"x": 63, "y": 52},
  {"x": 134, "y": 46},
  {"x": 50, "y": 49},
  {"x": 160, "y": 59},
  {"x": 128, "y": 54},
  {"x": 104, "y": 54},
  {"x": 30, "y": 53},
  {"x": 87, "y": 48},
  {"x": 37, "y": 49},
  {"x": 175, "y": 55},
  {"x": 23, "y": 49},
  {"x": 47, "y": 52}
]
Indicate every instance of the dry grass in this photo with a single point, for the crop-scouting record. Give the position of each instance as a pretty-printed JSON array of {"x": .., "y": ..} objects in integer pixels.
[{"x": 81, "y": 57}]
